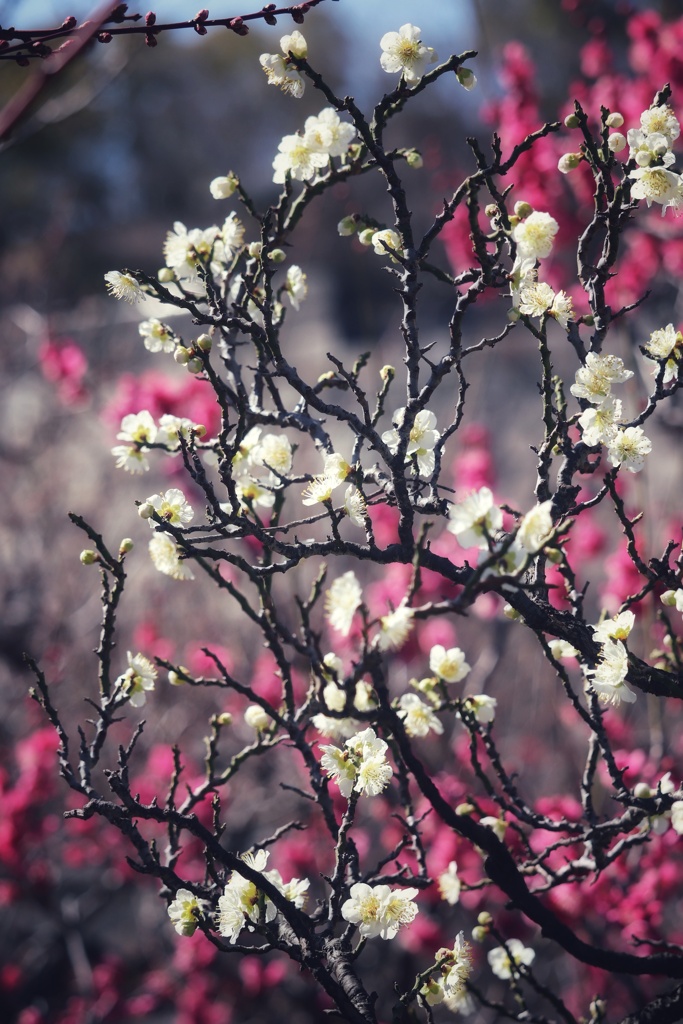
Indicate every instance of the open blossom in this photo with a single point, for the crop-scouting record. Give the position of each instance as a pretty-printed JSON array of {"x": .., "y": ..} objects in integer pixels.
[
  {"x": 608, "y": 678},
  {"x": 185, "y": 250},
  {"x": 535, "y": 235},
  {"x": 600, "y": 423},
  {"x": 157, "y": 337},
  {"x": 172, "y": 428},
  {"x": 184, "y": 912},
  {"x": 240, "y": 901},
  {"x": 301, "y": 156},
  {"x": 661, "y": 120},
  {"x": 656, "y": 185},
  {"x": 379, "y": 910},
  {"x": 394, "y": 628},
  {"x": 449, "y": 884},
  {"x": 616, "y": 628},
  {"x": 482, "y": 707},
  {"x": 354, "y": 506},
  {"x": 474, "y": 519},
  {"x": 628, "y": 448},
  {"x": 137, "y": 680},
  {"x": 386, "y": 241},
  {"x": 280, "y": 71},
  {"x": 296, "y": 287},
  {"x": 274, "y": 452},
  {"x": 504, "y": 961},
  {"x": 595, "y": 378},
  {"x": 232, "y": 234},
  {"x": 331, "y": 133},
  {"x": 342, "y": 601},
  {"x": 522, "y": 275},
  {"x": 138, "y": 428},
  {"x": 535, "y": 528},
  {"x": 362, "y": 767},
  {"x": 171, "y": 506},
  {"x": 165, "y": 555},
  {"x": 123, "y": 286},
  {"x": 421, "y": 442},
  {"x": 538, "y": 298},
  {"x": 449, "y": 665},
  {"x": 133, "y": 460},
  {"x": 666, "y": 343},
  {"x": 418, "y": 717},
  {"x": 404, "y": 51}
]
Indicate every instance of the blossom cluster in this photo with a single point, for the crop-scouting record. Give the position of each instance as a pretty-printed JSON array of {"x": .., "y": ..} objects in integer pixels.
[
  {"x": 601, "y": 422},
  {"x": 243, "y": 904}
]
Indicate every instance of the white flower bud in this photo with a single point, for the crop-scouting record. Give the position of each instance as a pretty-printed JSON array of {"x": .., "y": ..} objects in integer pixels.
[
  {"x": 511, "y": 613},
  {"x": 223, "y": 187},
  {"x": 204, "y": 342},
  {"x": 479, "y": 934},
  {"x": 643, "y": 158},
  {"x": 256, "y": 718},
  {"x": 254, "y": 250},
  {"x": 126, "y": 545},
  {"x": 513, "y": 315},
  {"x": 571, "y": 121},
  {"x": 414, "y": 159},
  {"x": 166, "y": 275},
  {"x": 523, "y": 209},
  {"x": 668, "y": 598},
  {"x": 642, "y": 791},
  {"x": 224, "y": 719},
  {"x": 484, "y": 918},
  {"x": 181, "y": 355},
  {"x": 195, "y": 365},
  {"x": 467, "y": 78},
  {"x": 347, "y": 226},
  {"x": 366, "y": 235},
  {"x": 88, "y": 556},
  {"x": 146, "y": 510},
  {"x": 616, "y": 142},
  {"x": 568, "y": 162},
  {"x": 464, "y": 810},
  {"x": 615, "y": 120},
  {"x": 277, "y": 255}
]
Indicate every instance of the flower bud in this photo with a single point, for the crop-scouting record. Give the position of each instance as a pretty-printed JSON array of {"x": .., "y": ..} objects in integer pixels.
[
  {"x": 204, "y": 342},
  {"x": 523, "y": 210},
  {"x": 414, "y": 159},
  {"x": 553, "y": 555},
  {"x": 642, "y": 791},
  {"x": 464, "y": 810},
  {"x": 513, "y": 315},
  {"x": 175, "y": 679},
  {"x": 224, "y": 719},
  {"x": 88, "y": 556},
  {"x": 511, "y": 613},
  {"x": 491, "y": 211},
  {"x": 571, "y": 121},
  {"x": 643, "y": 158},
  {"x": 146, "y": 510},
  {"x": 616, "y": 142},
  {"x": 467, "y": 78},
  {"x": 588, "y": 320},
  {"x": 365, "y": 236},
  {"x": 485, "y": 919},
  {"x": 254, "y": 250},
  {"x": 277, "y": 255},
  {"x": 199, "y": 429},
  {"x": 387, "y": 372},
  {"x": 668, "y": 598},
  {"x": 661, "y": 149},
  {"x": 568, "y": 162},
  {"x": 479, "y": 934},
  {"x": 182, "y": 355},
  {"x": 195, "y": 365},
  {"x": 125, "y": 546},
  {"x": 224, "y": 187},
  {"x": 166, "y": 275},
  {"x": 256, "y": 717},
  {"x": 615, "y": 120},
  {"x": 347, "y": 226}
]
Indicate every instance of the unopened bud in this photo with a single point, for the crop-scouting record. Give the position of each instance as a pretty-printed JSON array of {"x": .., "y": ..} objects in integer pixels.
[
  {"x": 365, "y": 236},
  {"x": 256, "y": 717},
  {"x": 175, "y": 679},
  {"x": 491, "y": 211},
  {"x": 166, "y": 275},
  {"x": 414, "y": 159},
  {"x": 511, "y": 613},
  {"x": 523, "y": 210},
  {"x": 464, "y": 810},
  {"x": 88, "y": 556},
  {"x": 643, "y": 158},
  {"x": 146, "y": 510},
  {"x": 182, "y": 355},
  {"x": 195, "y": 365},
  {"x": 126, "y": 546},
  {"x": 347, "y": 226},
  {"x": 616, "y": 142},
  {"x": 668, "y": 598},
  {"x": 254, "y": 250},
  {"x": 199, "y": 429},
  {"x": 661, "y": 149},
  {"x": 224, "y": 186},
  {"x": 277, "y": 255},
  {"x": 479, "y": 934},
  {"x": 513, "y": 315},
  {"x": 485, "y": 919},
  {"x": 642, "y": 791},
  {"x": 387, "y": 372},
  {"x": 467, "y": 78},
  {"x": 568, "y": 162},
  {"x": 588, "y": 320},
  {"x": 615, "y": 120},
  {"x": 224, "y": 719},
  {"x": 553, "y": 555},
  {"x": 204, "y": 342},
  {"x": 571, "y": 121}
]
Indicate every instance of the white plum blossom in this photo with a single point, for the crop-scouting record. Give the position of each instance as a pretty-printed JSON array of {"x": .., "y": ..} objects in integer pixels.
[
  {"x": 504, "y": 961},
  {"x": 185, "y": 250},
  {"x": 534, "y": 235},
  {"x": 535, "y": 528},
  {"x": 184, "y": 912},
  {"x": 666, "y": 343},
  {"x": 421, "y": 442},
  {"x": 386, "y": 242},
  {"x": 342, "y": 601},
  {"x": 138, "y": 428},
  {"x": 475, "y": 519},
  {"x": 172, "y": 507},
  {"x": 677, "y": 817},
  {"x": 172, "y": 428},
  {"x": 301, "y": 156},
  {"x": 331, "y": 133},
  {"x": 157, "y": 337},
  {"x": 404, "y": 52},
  {"x": 522, "y": 275},
  {"x": 662, "y": 120},
  {"x": 595, "y": 378},
  {"x": 656, "y": 185},
  {"x": 123, "y": 286},
  {"x": 133, "y": 460},
  {"x": 608, "y": 678},
  {"x": 449, "y": 884},
  {"x": 538, "y": 298},
  {"x": 379, "y": 910},
  {"x": 394, "y": 628},
  {"x": 628, "y": 448},
  {"x": 482, "y": 707},
  {"x": 449, "y": 665},
  {"x": 418, "y": 717},
  {"x": 165, "y": 555},
  {"x": 137, "y": 680},
  {"x": 616, "y": 628},
  {"x": 296, "y": 286},
  {"x": 280, "y": 71},
  {"x": 362, "y": 767},
  {"x": 600, "y": 423},
  {"x": 251, "y": 493},
  {"x": 274, "y": 452},
  {"x": 355, "y": 506},
  {"x": 232, "y": 234},
  {"x": 223, "y": 186}
]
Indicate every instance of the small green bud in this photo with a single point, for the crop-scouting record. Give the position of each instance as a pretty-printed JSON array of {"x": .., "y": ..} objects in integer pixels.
[
  {"x": 126, "y": 545},
  {"x": 511, "y": 613},
  {"x": 513, "y": 315},
  {"x": 491, "y": 211},
  {"x": 195, "y": 365},
  {"x": 166, "y": 275},
  {"x": 464, "y": 810},
  {"x": 523, "y": 210},
  {"x": 414, "y": 159},
  {"x": 642, "y": 791},
  {"x": 668, "y": 598},
  {"x": 588, "y": 320},
  {"x": 204, "y": 342},
  {"x": 467, "y": 78},
  {"x": 88, "y": 556},
  {"x": 224, "y": 719},
  {"x": 347, "y": 226},
  {"x": 571, "y": 121},
  {"x": 485, "y": 919},
  {"x": 568, "y": 162},
  {"x": 553, "y": 555},
  {"x": 479, "y": 934},
  {"x": 387, "y": 372},
  {"x": 365, "y": 236},
  {"x": 277, "y": 255}
]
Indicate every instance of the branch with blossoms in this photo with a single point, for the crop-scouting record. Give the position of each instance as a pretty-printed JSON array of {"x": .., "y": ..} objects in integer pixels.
[{"x": 291, "y": 551}]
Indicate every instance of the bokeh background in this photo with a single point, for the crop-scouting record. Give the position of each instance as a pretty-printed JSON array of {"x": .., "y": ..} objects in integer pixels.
[{"x": 119, "y": 147}]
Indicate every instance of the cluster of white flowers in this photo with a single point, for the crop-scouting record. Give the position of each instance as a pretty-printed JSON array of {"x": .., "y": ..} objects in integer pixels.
[
  {"x": 534, "y": 235},
  {"x": 626, "y": 446},
  {"x": 378, "y": 909},
  {"x": 421, "y": 442},
  {"x": 475, "y": 519},
  {"x": 608, "y": 678},
  {"x": 258, "y": 468},
  {"x": 279, "y": 68},
  {"x": 334, "y": 698},
  {"x": 138, "y": 679},
  {"x": 362, "y": 767},
  {"x": 650, "y": 146},
  {"x": 242, "y": 903},
  {"x": 211, "y": 248},
  {"x": 302, "y": 155},
  {"x": 418, "y": 718},
  {"x": 666, "y": 344},
  {"x": 455, "y": 966},
  {"x": 139, "y": 431}
]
